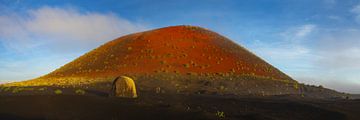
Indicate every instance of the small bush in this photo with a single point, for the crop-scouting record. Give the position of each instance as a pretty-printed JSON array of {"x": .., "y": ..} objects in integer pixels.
[
  {"x": 80, "y": 92},
  {"x": 42, "y": 89},
  {"x": 6, "y": 89},
  {"x": 57, "y": 91},
  {"x": 220, "y": 114},
  {"x": 296, "y": 86},
  {"x": 186, "y": 65},
  {"x": 17, "y": 89},
  {"x": 163, "y": 62}
]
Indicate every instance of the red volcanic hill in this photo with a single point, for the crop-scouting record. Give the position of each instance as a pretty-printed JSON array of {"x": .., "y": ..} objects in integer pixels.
[
  {"x": 177, "y": 58},
  {"x": 178, "y": 49}
]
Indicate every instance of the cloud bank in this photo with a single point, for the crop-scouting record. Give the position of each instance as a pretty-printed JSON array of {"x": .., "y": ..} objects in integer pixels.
[
  {"x": 36, "y": 41},
  {"x": 61, "y": 28}
]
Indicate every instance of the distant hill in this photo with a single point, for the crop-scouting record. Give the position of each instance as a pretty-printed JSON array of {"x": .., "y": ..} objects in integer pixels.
[{"x": 182, "y": 59}]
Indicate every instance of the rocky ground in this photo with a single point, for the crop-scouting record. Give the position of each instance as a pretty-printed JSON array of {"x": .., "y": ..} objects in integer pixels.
[{"x": 87, "y": 105}]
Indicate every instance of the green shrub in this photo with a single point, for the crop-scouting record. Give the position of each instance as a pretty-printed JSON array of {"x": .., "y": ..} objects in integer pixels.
[
  {"x": 186, "y": 65},
  {"x": 42, "y": 89},
  {"x": 296, "y": 86},
  {"x": 80, "y": 92},
  {"x": 17, "y": 89},
  {"x": 220, "y": 114},
  {"x": 57, "y": 91}
]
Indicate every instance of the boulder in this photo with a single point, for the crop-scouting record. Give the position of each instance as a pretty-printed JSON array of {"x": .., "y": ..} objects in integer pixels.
[{"x": 123, "y": 86}]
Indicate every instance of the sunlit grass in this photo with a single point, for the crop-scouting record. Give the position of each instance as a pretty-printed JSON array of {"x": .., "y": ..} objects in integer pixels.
[
  {"x": 80, "y": 92},
  {"x": 201, "y": 83},
  {"x": 58, "y": 81},
  {"x": 57, "y": 91}
]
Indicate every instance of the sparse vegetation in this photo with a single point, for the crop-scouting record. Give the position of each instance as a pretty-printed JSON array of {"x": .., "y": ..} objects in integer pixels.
[
  {"x": 186, "y": 65},
  {"x": 296, "y": 86},
  {"x": 80, "y": 92},
  {"x": 58, "y": 91},
  {"x": 42, "y": 89},
  {"x": 220, "y": 114}
]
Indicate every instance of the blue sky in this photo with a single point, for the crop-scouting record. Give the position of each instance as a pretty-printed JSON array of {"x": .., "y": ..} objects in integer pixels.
[{"x": 314, "y": 41}]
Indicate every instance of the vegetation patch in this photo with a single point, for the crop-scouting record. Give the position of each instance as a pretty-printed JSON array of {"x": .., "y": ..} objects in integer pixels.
[
  {"x": 80, "y": 92},
  {"x": 58, "y": 91},
  {"x": 42, "y": 89},
  {"x": 186, "y": 65},
  {"x": 220, "y": 114}
]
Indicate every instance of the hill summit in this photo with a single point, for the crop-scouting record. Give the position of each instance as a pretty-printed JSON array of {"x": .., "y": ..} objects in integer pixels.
[
  {"x": 176, "y": 58},
  {"x": 177, "y": 49}
]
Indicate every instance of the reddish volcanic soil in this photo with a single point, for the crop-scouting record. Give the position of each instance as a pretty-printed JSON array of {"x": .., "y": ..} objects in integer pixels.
[
  {"x": 178, "y": 59},
  {"x": 178, "y": 49}
]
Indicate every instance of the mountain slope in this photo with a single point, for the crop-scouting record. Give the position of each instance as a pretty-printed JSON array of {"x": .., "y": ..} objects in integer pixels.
[
  {"x": 177, "y": 59},
  {"x": 178, "y": 49}
]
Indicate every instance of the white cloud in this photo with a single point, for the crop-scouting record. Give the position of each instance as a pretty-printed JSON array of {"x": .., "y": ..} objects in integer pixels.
[
  {"x": 37, "y": 41},
  {"x": 343, "y": 59},
  {"x": 338, "y": 62},
  {"x": 299, "y": 32},
  {"x": 59, "y": 28},
  {"x": 304, "y": 30},
  {"x": 330, "y": 57},
  {"x": 339, "y": 49},
  {"x": 356, "y": 11}
]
